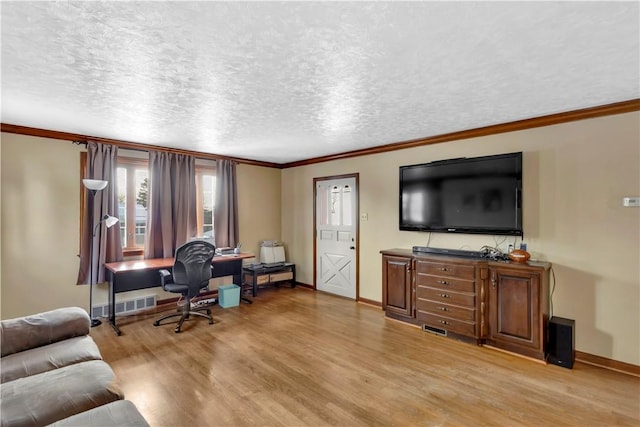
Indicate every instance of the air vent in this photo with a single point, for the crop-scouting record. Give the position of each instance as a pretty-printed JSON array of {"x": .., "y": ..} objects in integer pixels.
[
  {"x": 433, "y": 330},
  {"x": 126, "y": 307}
]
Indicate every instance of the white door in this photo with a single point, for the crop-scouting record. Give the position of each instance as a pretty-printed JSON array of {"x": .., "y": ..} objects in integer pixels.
[{"x": 336, "y": 216}]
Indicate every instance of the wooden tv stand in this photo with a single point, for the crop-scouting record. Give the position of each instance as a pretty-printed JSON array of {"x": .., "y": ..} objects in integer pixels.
[{"x": 500, "y": 303}]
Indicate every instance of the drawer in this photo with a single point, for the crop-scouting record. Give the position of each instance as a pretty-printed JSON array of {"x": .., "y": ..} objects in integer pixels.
[
  {"x": 450, "y": 283},
  {"x": 457, "y": 326},
  {"x": 260, "y": 279},
  {"x": 447, "y": 297},
  {"x": 446, "y": 310},
  {"x": 285, "y": 275},
  {"x": 446, "y": 269}
]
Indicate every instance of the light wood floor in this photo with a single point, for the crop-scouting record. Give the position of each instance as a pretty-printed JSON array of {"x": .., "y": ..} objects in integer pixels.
[{"x": 300, "y": 358}]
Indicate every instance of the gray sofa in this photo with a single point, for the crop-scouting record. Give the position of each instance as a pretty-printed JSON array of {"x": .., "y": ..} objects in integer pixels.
[{"x": 51, "y": 371}]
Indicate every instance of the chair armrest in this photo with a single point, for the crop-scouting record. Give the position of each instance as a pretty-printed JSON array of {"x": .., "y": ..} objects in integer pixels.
[
  {"x": 24, "y": 333},
  {"x": 163, "y": 276}
]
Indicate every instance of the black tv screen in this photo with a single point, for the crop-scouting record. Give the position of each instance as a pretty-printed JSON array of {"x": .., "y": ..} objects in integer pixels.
[{"x": 480, "y": 195}]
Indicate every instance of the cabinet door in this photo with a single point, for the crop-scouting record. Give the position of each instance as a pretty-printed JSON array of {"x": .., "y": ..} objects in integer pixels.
[
  {"x": 397, "y": 294},
  {"x": 515, "y": 318}
]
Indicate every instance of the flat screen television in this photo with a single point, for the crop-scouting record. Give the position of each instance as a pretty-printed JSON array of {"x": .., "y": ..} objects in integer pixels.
[{"x": 480, "y": 195}]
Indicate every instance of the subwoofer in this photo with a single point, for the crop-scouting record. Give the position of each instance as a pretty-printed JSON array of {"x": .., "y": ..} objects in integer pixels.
[{"x": 561, "y": 344}]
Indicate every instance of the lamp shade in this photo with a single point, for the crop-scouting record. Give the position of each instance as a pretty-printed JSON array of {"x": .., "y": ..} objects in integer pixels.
[
  {"x": 95, "y": 184},
  {"x": 110, "y": 221}
]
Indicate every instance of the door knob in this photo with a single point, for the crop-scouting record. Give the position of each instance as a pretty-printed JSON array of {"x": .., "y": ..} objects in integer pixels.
[{"x": 352, "y": 247}]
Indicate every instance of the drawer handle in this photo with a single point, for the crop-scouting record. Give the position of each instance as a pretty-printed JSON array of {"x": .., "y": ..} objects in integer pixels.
[
  {"x": 443, "y": 282},
  {"x": 445, "y": 296},
  {"x": 444, "y": 269},
  {"x": 443, "y": 308},
  {"x": 444, "y": 322}
]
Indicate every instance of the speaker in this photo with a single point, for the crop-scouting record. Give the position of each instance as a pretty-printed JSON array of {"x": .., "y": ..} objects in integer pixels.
[{"x": 561, "y": 344}]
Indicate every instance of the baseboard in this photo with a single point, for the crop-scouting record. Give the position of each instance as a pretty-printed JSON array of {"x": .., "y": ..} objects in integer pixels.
[
  {"x": 603, "y": 362},
  {"x": 373, "y": 303},
  {"x": 512, "y": 353}
]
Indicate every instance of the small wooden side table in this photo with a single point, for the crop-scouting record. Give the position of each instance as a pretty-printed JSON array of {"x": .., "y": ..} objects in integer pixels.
[{"x": 267, "y": 274}]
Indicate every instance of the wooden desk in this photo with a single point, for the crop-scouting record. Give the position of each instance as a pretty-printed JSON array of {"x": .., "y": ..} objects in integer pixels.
[{"x": 142, "y": 274}]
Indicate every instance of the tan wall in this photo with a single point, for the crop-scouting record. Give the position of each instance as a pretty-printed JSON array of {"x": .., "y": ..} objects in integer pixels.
[
  {"x": 259, "y": 206},
  {"x": 575, "y": 176},
  {"x": 40, "y": 224},
  {"x": 40, "y": 231}
]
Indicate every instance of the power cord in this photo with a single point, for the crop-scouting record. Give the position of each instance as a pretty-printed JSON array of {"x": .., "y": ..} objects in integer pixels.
[
  {"x": 498, "y": 244},
  {"x": 494, "y": 253},
  {"x": 553, "y": 288}
]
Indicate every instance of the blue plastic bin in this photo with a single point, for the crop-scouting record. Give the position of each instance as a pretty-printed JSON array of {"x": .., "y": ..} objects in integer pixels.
[{"x": 229, "y": 296}]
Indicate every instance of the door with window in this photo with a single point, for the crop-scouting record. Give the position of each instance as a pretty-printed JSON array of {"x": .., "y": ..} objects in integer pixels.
[{"x": 336, "y": 235}]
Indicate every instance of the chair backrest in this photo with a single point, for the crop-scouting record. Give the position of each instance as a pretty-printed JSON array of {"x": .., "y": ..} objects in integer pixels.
[{"x": 192, "y": 265}]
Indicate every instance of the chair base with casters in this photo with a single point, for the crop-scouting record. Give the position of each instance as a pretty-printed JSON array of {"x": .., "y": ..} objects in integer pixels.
[
  {"x": 191, "y": 272},
  {"x": 184, "y": 315}
]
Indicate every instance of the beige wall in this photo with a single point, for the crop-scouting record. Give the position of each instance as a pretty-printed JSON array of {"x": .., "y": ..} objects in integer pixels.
[
  {"x": 575, "y": 176},
  {"x": 259, "y": 206},
  {"x": 40, "y": 224}
]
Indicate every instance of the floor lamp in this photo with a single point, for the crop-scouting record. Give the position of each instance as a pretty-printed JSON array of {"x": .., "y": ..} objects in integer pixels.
[{"x": 95, "y": 185}]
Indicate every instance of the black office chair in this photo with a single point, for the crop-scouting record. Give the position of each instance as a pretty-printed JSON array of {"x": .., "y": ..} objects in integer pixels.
[{"x": 191, "y": 273}]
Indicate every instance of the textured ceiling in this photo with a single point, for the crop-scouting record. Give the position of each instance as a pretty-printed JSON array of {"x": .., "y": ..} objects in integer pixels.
[{"x": 284, "y": 81}]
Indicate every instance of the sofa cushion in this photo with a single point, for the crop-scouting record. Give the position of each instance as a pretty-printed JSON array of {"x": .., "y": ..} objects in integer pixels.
[
  {"x": 23, "y": 333},
  {"x": 121, "y": 413},
  {"x": 48, "y": 357},
  {"x": 48, "y": 397}
]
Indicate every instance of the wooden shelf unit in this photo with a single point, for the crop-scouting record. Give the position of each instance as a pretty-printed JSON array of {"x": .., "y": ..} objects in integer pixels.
[{"x": 265, "y": 275}]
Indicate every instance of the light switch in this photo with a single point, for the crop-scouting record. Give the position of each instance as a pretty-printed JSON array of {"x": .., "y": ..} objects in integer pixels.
[{"x": 631, "y": 201}]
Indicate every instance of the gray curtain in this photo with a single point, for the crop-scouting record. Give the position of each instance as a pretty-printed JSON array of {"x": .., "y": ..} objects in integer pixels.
[
  {"x": 171, "y": 209},
  {"x": 107, "y": 244},
  {"x": 225, "y": 214}
]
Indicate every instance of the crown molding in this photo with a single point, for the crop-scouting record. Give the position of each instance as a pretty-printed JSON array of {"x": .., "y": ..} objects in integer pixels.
[
  {"x": 552, "y": 119},
  {"x": 65, "y": 136}
]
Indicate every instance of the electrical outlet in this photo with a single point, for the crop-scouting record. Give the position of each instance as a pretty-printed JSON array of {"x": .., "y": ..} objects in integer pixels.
[
  {"x": 631, "y": 201},
  {"x": 364, "y": 217}
]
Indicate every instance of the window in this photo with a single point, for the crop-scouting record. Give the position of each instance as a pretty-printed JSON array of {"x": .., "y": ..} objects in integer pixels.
[
  {"x": 205, "y": 200},
  {"x": 132, "y": 186},
  {"x": 133, "y": 176}
]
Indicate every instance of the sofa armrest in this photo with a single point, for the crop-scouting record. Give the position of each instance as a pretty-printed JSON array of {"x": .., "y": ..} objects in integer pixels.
[{"x": 23, "y": 333}]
